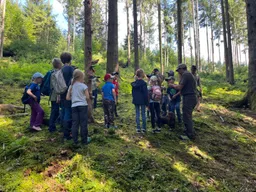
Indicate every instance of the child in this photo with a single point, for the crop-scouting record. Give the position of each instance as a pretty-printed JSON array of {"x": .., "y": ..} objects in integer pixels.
[
  {"x": 174, "y": 97},
  {"x": 155, "y": 96},
  {"x": 140, "y": 99},
  {"x": 109, "y": 101},
  {"x": 79, "y": 95},
  {"x": 54, "y": 98},
  {"x": 115, "y": 82},
  {"x": 198, "y": 85},
  {"x": 37, "y": 113}
]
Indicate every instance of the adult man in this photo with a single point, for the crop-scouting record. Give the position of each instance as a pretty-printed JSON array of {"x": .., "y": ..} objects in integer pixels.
[{"x": 187, "y": 87}]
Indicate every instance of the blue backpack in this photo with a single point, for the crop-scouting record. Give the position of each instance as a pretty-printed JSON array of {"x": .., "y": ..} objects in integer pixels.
[
  {"x": 46, "y": 85},
  {"x": 25, "y": 97}
]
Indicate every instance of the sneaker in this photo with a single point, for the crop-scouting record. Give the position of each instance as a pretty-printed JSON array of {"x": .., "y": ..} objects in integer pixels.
[
  {"x": 184, "y": 137},
  {"x": 112, "y": 126},
  {"x": 144, "y": 131},
  {"x": 138, "y": 131},
  {"x": 106, "y": 126},
  {"x": 89, "y": 139},
  {"x": 37, "y": 128},
  {"x": 156, "y": 131}
]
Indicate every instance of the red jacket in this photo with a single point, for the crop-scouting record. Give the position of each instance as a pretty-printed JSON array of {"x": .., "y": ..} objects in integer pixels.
[{"x": 115, "y": 82}]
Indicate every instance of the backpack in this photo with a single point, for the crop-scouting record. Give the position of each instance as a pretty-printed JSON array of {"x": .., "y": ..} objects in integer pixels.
[
  {"x": 46, "y": 85},
  {"x": 25, "y": 97},
  {"x": 58, "y": 82},
  {"x": 156, "y": 93}
]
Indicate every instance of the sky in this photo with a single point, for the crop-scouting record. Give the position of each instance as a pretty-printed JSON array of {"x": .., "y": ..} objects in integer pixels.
[{"x": 122, "y": 30}]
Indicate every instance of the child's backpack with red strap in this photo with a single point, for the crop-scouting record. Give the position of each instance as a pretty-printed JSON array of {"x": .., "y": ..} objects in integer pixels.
[{"x": 156, "y": 93}]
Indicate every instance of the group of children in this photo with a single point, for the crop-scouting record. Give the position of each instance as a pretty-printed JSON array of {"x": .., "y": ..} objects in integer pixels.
[
  {"x": 68, "y": 92},
  {"x": 69, "y": 97},
  {"x": 155, "y": 98}
]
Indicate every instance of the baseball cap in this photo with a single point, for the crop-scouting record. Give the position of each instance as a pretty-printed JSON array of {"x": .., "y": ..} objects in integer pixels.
[
  {"x": 156, "y": 70},
  {"x": 153, "y": 78},
  {"x": 37, "y": 75},
  {"x": 181, "y": 66},
  {"x": 170, "y": 73},
  {"x": 107, "y": 77},
  {"x": 170, "y": 78}
]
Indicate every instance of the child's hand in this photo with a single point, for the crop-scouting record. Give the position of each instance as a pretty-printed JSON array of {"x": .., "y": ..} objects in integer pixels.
[{"x": 35, "y": 98}]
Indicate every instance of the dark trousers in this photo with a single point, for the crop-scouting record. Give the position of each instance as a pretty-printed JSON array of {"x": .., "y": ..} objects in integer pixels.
[
  {"x": 155, "y": 113},
  {"x": 175, "y": 106},
  {"x": 140, "y": 109},
  {"x": 165, "y": 101},
  {"x": 54, "y": 115},
  {"x": 115, "y": 110},
  {"x": 80, "y": 119},
  {"x": 37, "y": 113},
  {"x": 189, "y": 103},
  {"x": 66, "y": 118},
  {"x": 95, "y": 95},
  {"x": 108, "y": 107}
]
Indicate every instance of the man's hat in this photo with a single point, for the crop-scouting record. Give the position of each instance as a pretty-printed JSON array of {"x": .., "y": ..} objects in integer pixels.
[
  {"x": 170, "y": 78},
  {"x": 156, "y": 70},
  {"x": 181, "y": 66},
  {"x": 170, "y": 73},
  {"x": 108, "y": 76}
]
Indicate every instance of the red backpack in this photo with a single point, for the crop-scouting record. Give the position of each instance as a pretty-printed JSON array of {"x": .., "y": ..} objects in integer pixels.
[{"x": 156, "y": 93}]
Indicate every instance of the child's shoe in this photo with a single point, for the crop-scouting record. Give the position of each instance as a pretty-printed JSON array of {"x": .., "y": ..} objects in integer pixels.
[
  {"x": 138, "y": 131},
  {"x": 36, "y": 128},
  {"x": 144, "y": 131}
]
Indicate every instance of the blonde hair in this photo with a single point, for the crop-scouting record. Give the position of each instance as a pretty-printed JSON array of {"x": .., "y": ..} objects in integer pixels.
[{"x": 77, "y": 75}]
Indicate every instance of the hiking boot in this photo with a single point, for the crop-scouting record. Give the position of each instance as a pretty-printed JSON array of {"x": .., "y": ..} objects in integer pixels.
[
  {"x": 106, "y": 126},
  {"x": 36, "y": 128},
  {"x": 138, "y": 131},
  {"x": 144, "y": 131},
  {"x": 156, "y": 130}
]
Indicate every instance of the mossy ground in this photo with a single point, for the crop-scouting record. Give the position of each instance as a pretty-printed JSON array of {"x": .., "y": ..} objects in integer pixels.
[{"x": 222, "y": 158}]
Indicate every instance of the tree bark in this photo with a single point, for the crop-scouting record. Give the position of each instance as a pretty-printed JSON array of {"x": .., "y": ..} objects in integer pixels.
[
  {"x": 207, "y": 40},
  {"x": 141, "y": 51},
  {"x": 88, "y": 53},
  {"x": 230, "y": 58},
  {"x": 136, "y": 49},
  {"x": 128, "y": 34},
  {"x": 179, "y": 22},
  {"x": 225, "y": 39},
  {"x": 219, "y": 51},
  {"x": 191, "y": 47},
  {"x": 160, "y": 35},
  {"x": 106, "y": 25},
  {"x": 74, "y": 29},
  {"x": 212, "y": 39},
  {"x": 2, "y": 7},
  {"x": 198, "y": 36},
  {"x": 251, "y": 18},
  {"x": 112, "y": 52},
  {"x": 195, "y": 32},
  {"x": 69, "y": 33}
]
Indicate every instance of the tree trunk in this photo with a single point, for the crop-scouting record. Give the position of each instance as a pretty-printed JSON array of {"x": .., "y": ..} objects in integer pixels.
[
  {"x": 2, "y": 8},
  {"x": 179, "y": 22},
  {"x": 160, "y": 35},
  {"x": 212, "y": 39},
  {"x": 251, "y": 18},
  {"x": 144, "y": 37},
  {"x": 69, "y": 33},
  {"x": 195, "y": 33},
  {"x": 128, "y": 34},
  {"x": 225, "y": 39},
  {"x": 191, "y": 47},
  {"x": 136, "y": 49},
  {"x": 183, "y": 44},
  {"x": 106, "y": 25},
  {"x": 207, "y": 40},
  {"x": 112, "y": 52},
  {"x": 219, "y": 51},
  {"x": 140, "y": 54},
  {"x": 74, "y": 30},
  {"x": 88, "y": 52},
  {"x": 198, "y": 36},
  {"x": 230, "y": 58}
]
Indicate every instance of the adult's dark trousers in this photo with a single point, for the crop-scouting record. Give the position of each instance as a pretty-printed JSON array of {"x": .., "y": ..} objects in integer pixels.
[
  {"x": 189, "y": 103},
  {"x": 165, "y": 101},
  {"x": 80, "y": 119},
  {"x": 155, "y": 114},
  {"x": 54, "y": 115}
]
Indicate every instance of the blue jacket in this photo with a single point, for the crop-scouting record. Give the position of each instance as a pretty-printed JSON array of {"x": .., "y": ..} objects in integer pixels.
[{"x": 139, "y": 93}]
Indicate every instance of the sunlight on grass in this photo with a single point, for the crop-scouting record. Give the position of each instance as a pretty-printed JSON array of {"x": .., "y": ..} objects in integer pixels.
[
  {"x": 5, "y": 122},
  {"x": 199, "y": 154},
  {"x": 244, "y": 134}
]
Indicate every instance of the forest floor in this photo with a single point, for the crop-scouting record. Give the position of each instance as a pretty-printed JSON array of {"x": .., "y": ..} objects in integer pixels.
[{"x": 222, "y": 158}]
